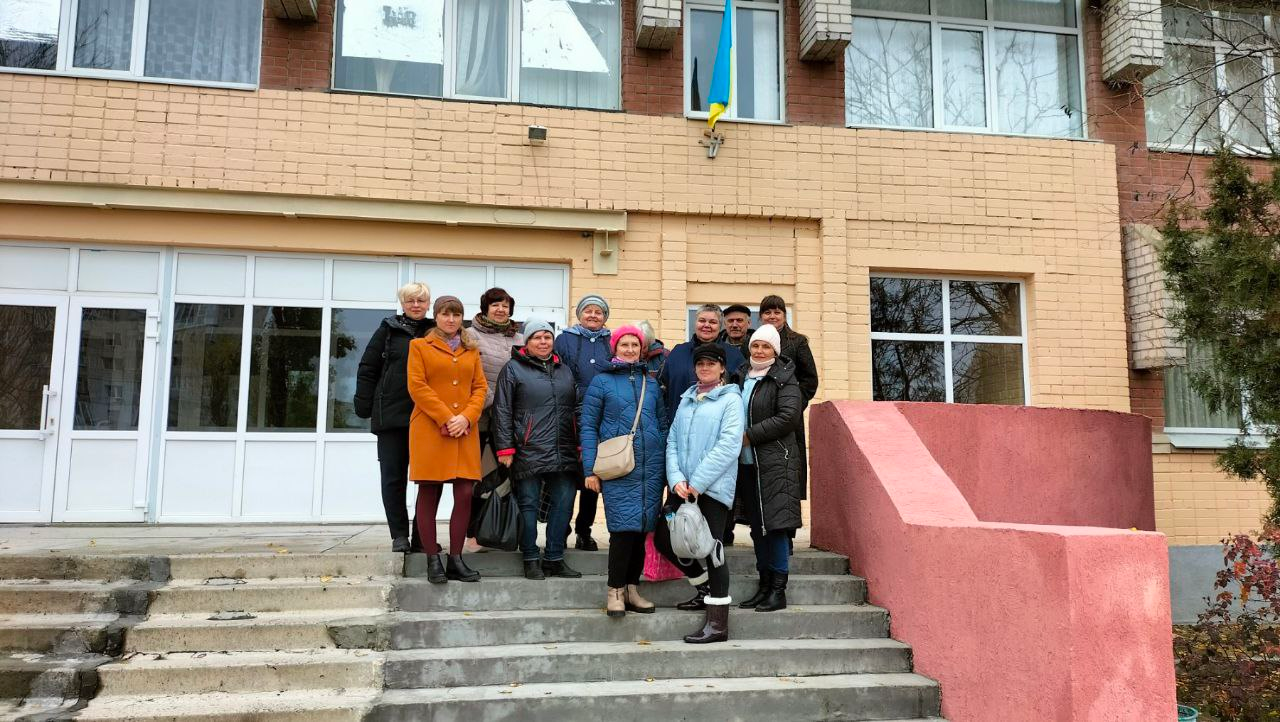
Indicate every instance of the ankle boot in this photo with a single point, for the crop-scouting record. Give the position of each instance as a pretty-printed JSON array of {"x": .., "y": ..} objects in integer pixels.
[
  {"x": 533, "y": 569},
  {"x": 614, "y": 604},
  {"x": 458, "y": 569},
  {"x": 777, "y": 598},
  {"x": 762, "y": 591},
  {"x": 637, "y": 603},
  {"x": 435, "y": 569},
  {"x": 715, "y": 628},
  {"x": 559, "y": 568},
  {"x": 400, "y": 545},
  {"x": 696, "y": 604}
]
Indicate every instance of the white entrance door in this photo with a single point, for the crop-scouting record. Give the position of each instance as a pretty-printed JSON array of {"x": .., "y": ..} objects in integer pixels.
[
  {"x": 32, "y": 338},
  {"x": 107, "y": 406}
]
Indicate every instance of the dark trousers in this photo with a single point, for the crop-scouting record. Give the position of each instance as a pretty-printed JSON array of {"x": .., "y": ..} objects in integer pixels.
[
  {"x": 588, "y": 500},
  {"x": 393, "y": 459},
  {"x": 626, "y": 557},
  {"x": 429, "y": 495},
  {"x": 696, "y": 570},
  {"x": 773, "y": 549},
  {"x": 558, "y": 488}
]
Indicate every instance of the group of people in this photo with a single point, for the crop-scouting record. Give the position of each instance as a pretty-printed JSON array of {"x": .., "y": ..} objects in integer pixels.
[{"x": 717, "y": 421}]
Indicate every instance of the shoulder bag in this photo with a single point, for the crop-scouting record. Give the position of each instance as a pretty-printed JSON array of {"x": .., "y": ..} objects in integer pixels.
[{"x": 616, "y": 457}]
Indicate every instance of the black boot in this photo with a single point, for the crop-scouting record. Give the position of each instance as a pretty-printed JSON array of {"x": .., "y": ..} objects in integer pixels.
[
  {"x": 586, "y": 543},
  {"x": 458, "y": 569},
  {"x": 777, "y": 598},
  {"x": 435, "y": 569},
  {"x": 697, "y": 603},
  {"x": 761, "y": 592},
  {"x": 558, "y": 568},
  {"x": 533, "y": 569},
  {"x": 400, "y": 544},
  {"x": 715, "y": 628}
]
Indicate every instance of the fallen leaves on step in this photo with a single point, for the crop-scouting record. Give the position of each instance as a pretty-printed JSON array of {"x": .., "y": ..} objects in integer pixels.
[
  {"x": 326, "y": 578},
  {"x": 644, "y": 642}
]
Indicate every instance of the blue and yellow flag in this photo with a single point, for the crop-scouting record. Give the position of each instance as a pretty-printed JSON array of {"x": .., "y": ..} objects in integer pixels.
[{"x": 722, "y": 72}]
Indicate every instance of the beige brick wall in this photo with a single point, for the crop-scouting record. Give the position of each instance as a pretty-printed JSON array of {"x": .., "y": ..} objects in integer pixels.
[
  {"x": 1198, "y": 504},
  {"x": 1153, "y": 342}
]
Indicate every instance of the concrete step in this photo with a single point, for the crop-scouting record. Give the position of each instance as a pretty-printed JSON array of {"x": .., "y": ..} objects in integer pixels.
[
  {"x": 617, "y": 661},
  {"x": 102, "y": 567},
  {"x": 496, "y": 593},
  {"x": 829, "y": 697},
  {"x": 61, "y": 633},
  {"x": 42, "y": 596},
  {"x": 49, "y": 676},
  {"x": 163, "y": 633},
  {"x": 354, "y": 565},
  {"x": 307, "y": 705},
  {"x": 742, "y": 562},
  {"x": 270, "y": 595},
  {"x": 417, "y": 630},
  {"x": 182, "y": 673}
]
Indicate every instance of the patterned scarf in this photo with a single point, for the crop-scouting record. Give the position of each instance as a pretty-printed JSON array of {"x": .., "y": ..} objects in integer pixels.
[{"x": 507, "y": 328}]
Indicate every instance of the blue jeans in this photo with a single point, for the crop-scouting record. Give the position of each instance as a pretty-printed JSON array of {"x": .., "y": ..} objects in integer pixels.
[
  {"x": 560, "y": 489},
  {"x": 773, "y": 550}
]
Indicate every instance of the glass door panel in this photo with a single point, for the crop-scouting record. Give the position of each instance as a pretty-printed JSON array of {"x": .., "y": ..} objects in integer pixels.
[{"x": 31, "y": 346}]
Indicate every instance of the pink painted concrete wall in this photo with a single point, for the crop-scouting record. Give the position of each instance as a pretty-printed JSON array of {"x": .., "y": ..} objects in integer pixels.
[
  {"x": 1018, "y": 622},
  {"x": 1043, "y": 466}
]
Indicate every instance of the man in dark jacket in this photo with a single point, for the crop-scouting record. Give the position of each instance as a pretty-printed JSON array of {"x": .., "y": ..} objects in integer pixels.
[
  {"x": 677, "y": 374},
  {"x": 737, "y": 328}
]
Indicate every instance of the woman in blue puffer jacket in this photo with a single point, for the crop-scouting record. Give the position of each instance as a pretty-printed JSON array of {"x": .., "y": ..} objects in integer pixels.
[{"x": 631, "y": 502}]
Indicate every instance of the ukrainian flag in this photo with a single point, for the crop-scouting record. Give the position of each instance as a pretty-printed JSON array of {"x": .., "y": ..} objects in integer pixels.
[{"x": 722, "y": 72}]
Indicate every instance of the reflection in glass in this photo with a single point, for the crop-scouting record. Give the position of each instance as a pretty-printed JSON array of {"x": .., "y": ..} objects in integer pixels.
[
  {"x": 204, "y": 380},
  {"x": 104, "y": 34},
  {"x": 908, "y": 371},
  {"x": 960, "y": 8},
  {"x": 570, "y": 53},
  {"x": 888, "y": 74},
  {"x": 481, "y": 48},
  {"x": 283, "y": 369},
  {"x": 704, "y": 32},
  {"x": 756, "y": 57},
  {"x": 1246, "y": 88},
  {"x": 987, "y": 373},
  {"x": 1038, "y": 83},
  {"x": 964, "y": 89},
  {"x": 1037, "y": 12},
  {"x": 26, "y": 353},
  {"x": 109, "y": 377},
  {"x": 906, "y": 305},
  {"x": 29, "y": 34},
  {"x": 389, "y": 49},
  {"x": 350, "y": 330},
  {"x": 1183, "y": 98},
  {"x": 986, "y": 308}
]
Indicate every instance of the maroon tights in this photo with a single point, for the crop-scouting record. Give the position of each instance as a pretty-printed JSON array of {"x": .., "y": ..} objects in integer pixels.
[{"x": 459, "y": 518}]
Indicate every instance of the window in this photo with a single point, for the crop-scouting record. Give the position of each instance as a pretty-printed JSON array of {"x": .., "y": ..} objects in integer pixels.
[
  {"x": 204, "y": 376},
  {"x": 183, "y": 41},
  {"x": 284, "y": 367},
  {"x": 952, "y": 340},
  {"x": 1188, "y": 420},
  {"x": 349, "y": 332},
  {"x": 757, "y": 49},
  {"x": 1008, "y": 66},
  {"x": 1215, "y": 83},
  {"x": 545, "y": 52}
]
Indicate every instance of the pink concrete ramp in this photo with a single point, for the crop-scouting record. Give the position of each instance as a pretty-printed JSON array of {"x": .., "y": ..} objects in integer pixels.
[{"x": 1031, "y": 609}]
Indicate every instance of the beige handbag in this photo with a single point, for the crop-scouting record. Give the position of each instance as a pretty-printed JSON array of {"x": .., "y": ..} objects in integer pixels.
[{"x": 616, "y": 457}]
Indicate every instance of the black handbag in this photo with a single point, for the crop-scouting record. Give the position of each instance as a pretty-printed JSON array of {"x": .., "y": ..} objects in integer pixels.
[{"x": 498, "y": 525}]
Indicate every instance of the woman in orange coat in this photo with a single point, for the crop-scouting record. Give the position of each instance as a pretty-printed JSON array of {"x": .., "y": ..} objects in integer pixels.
[{"x": 447, "y": 384}]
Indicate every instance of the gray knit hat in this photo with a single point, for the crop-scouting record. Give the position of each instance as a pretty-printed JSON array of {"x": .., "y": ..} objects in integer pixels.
[
  {"x": 534, "y": 325},
  {"x": 592, "y": 299}
]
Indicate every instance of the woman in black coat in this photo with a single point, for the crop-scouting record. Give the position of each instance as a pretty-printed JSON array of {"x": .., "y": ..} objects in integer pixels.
[
  {"x": 382, "y": 396},
  {"x": 795, "y": 346},
  {"x": 770, "y": 484}
]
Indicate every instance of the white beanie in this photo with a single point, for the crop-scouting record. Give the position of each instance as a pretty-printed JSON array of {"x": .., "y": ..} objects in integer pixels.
[{"x": 769, "y": 335}]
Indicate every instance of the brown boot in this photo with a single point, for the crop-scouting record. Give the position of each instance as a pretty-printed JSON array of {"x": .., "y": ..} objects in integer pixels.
[
  {"x": 716, "y": 627},
  {"x": 637, "y": 603},
  {"x": 614, "y": 603}
]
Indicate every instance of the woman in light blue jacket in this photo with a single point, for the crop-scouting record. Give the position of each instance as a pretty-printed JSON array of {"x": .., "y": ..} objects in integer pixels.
[{"x": 702, "y": 466}]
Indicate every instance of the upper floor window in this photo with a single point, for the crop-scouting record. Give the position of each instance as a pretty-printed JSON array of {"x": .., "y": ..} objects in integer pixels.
[
  {"x": 1215, "y": 85},
  {"x": 1008, "y": 66},
  {"x": 757, "y": 58},
  {"x": 183, "y": 41},
  {"x": 545, "y": 52},
  {"x": 1190, "y": 422}
]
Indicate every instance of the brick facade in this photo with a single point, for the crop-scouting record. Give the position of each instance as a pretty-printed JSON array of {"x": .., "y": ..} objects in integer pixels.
[{"x": 298, "y": 54}]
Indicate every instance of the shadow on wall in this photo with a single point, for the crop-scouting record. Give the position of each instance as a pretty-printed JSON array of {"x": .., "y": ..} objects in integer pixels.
[{"x": 998, "y": 539}]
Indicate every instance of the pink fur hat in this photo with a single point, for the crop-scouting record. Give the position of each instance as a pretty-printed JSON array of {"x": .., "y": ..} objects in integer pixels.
[{"x": 624, "y": 330}]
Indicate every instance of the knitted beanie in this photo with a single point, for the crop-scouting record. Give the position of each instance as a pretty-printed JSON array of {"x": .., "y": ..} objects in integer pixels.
[
  {"x": 768, "y": 334},
  {"x": 625, "y": 330},
  {"x": 533, "y": 325},
  {"x": 592, "y": 299}
]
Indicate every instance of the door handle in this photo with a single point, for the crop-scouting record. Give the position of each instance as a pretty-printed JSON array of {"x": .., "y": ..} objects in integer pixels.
[{"x": 48, "y": 422}]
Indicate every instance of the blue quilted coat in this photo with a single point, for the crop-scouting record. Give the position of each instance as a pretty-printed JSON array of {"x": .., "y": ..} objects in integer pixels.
[{"x": 631, "y": 503}]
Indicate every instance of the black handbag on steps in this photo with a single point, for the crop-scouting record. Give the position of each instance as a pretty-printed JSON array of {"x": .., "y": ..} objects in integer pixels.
[{"x": 498, "y": 524}]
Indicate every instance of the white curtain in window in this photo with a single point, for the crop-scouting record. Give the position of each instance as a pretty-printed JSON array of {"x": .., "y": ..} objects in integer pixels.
[
  {"x": 482, "y": 48},
  {"x": 758, "y": 89},
  {"x": 203, "y": 40},
  {"x": 1182, "y": 103},
  {"x": 1185, "y": 409},
  {"x": 569, "y": 53},
  {"x": 104, "y": 34}
]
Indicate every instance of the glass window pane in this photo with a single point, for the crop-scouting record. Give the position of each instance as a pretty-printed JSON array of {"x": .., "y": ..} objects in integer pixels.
[
  {"x": 570, "y": 53},
  {"x": 987, "y": 373},
  {"x": 960, "y": 8},
  {"x": 1246, "y": 83},
  {"x": 26, "y": 352},
  {"x": 1186, "y": 409},
  {"x": 704, "y": 35},
  {"x": 888, "y": 74},
  {"x": 756, "y": 47},
  {"x": 964, "y": 89},
  {"x": 1187, "y": 22},
  {"x": 390, "y": 49},
  {"x": 1037, "y": 12},
  {"x": 204, "y": 376},
  {"x": 908, "y": 371},
  {"x": 104, "y": 34},
  {"x": 109, "y": 374},
  {"x": 283, "y": 368},
  {"x": 482, "y": 48},
  {"x": 1038, "y": 83},
  {"x": 201, "y": 40},
  {"x": 986, "y": 308},
  {"x": 350, "y": 330},
  {"x": 906, "y": 305},
  {"x": 1240, "y": 28},
  {"x": 1182, "y": 98},
  {"x": 897, "y": 6},
  {"x": 29, "y": 33}
]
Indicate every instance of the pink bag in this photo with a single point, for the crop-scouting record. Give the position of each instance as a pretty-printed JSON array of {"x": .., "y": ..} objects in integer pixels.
[{"x": 656, "y": 567}]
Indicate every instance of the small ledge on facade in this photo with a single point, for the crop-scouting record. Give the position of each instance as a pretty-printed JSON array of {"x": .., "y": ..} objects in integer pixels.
[
  {"x": 293, "y": 9},
  {"x": 1207, "y": 438},
  {"x": 658, "y": 23}
]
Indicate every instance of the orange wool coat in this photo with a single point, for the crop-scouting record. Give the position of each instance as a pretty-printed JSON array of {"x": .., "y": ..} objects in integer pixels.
[{"x": 442, "y": 384}]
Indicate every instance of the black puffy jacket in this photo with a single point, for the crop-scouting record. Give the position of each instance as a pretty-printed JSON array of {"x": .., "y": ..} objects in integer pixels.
[
  {"x": 535, "y": 416},
  {"x": 771, "y": 488},
  {"x": 382, "y": 379}
]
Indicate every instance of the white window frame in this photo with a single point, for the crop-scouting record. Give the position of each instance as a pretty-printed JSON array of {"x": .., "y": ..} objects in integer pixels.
[
  {"x": 1224, "y": 111},
  {"x": 450, "y": 60},
  {"x": 1212, "y": 437},
  {"x": 731, "y": 113},
  {"x": 947, "y": 338},
  {"x": 65, "y": 66},
  {"x": 988, "y": 28}
]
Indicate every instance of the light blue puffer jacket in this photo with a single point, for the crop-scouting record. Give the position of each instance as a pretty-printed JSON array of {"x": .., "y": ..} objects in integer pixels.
[{"x": 704, "y": 442}]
